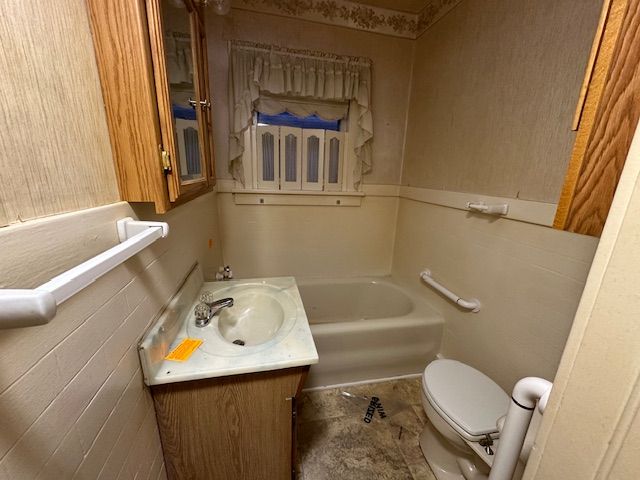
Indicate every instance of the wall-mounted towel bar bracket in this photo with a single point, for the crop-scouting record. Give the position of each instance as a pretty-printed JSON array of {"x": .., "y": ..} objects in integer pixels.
[
  {"x": 472, "y": 304},
  {"x": 26, "y": 308},
  {"x": 495, "y": 209}
]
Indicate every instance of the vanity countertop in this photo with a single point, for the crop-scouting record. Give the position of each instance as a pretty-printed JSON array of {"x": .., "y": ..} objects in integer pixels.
[{"x": 291, "y": 346}]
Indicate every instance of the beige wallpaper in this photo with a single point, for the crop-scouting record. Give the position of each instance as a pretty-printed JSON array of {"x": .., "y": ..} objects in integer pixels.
[
  {"x": 391, "y": 57},
  {"x": 494, "y": 90},
  {"x": 528, "y": 279},
  {"x": 55, "y": 154}
]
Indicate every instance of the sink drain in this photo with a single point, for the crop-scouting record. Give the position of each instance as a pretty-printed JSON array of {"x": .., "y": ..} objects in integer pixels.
[{"x": 239, "y": 342}]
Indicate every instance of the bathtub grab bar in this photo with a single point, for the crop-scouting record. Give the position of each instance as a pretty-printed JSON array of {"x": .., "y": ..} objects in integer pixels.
[
  {"x": 25, "y": 308},
  {"x": 472, "y": 304}
]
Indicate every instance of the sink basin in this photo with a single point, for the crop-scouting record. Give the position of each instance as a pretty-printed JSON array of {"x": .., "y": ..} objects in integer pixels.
[
  {"x": 265, "y": 329},
  {"x": 256, "y": 316},
  {"x": 262, "y": 315}
]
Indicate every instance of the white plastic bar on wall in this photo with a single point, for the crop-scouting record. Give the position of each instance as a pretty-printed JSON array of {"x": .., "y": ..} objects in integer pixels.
[
  {"x": 472, "y": 304},
  {"x": 498, "y": 209},
  {"x": 26, "y": 308}
]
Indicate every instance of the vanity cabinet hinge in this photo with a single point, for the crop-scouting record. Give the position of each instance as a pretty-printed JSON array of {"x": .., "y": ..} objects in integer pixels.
[{"x": 166, "y": 161}]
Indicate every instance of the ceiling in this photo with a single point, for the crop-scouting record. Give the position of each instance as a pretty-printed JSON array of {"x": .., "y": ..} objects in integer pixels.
[{"x": 409, "y": 6}]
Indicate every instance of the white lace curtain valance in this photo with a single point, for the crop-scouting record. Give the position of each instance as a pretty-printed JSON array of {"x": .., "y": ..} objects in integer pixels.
[
  {"x": 259, "y": 76},
  {"x": 330, "y": 111}
]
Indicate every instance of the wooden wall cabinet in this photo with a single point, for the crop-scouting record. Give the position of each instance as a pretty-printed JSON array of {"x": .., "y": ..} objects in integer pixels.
[
  {"x": 152, "y": 62},
  {"x": 235, "y": 427},
  {"x": 606, "y": 120}
]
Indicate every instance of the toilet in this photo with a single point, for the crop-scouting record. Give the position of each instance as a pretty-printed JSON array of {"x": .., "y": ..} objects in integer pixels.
[{"x": 463, "y": 406}]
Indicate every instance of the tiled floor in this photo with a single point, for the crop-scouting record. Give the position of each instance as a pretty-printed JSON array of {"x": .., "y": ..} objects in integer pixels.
[{"x": 335, "y": 443}]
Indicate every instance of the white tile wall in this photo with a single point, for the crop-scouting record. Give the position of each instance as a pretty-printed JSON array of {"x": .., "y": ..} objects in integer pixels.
[
  {"x": 72, "y": 399},
  {"x": 318, "y": 241},
  {"x": 528, "y": 279}
]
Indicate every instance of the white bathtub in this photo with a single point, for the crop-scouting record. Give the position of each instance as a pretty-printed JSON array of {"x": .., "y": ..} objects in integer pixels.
[{"x": 367, "y": 329}]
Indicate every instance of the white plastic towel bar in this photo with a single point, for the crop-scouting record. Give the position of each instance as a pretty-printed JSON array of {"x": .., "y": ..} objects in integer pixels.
[
  {"x": 472, "y": 304},
  {"x": 26, "y": 308}
]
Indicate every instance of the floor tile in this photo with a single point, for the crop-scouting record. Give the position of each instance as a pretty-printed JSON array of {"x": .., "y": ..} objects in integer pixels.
[
  {"x": 349, "y": 448},
  {"x": 322, "y": 405},
  {"x": 419, "y": 411},
  {"x": 413, "y": 390},
  {"x": 421, "y": 472},
  {"x": 335, "y": 443}
]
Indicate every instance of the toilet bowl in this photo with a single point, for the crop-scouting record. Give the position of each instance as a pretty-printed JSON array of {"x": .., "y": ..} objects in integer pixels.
[{"x": 463, "y": 406}]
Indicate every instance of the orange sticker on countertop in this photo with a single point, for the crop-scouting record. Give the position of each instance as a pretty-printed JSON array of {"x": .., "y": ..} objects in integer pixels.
[{"x": 184, "y": 350}]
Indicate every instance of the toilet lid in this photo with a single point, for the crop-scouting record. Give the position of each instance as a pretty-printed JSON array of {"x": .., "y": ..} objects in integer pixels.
[{"x": 468, "y": 397}]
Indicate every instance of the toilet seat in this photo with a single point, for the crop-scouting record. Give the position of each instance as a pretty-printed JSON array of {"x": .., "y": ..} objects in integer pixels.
[{"x": 465, "y": 398}]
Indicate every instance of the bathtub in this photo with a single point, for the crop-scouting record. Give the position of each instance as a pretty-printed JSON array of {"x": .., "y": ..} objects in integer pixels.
[{"x": 368, "y": 329}]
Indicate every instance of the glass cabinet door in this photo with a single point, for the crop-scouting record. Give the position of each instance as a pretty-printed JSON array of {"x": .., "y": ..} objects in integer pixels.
[
  {"x": 176, "y": 33},
  {"x": 205, "y": 103}
]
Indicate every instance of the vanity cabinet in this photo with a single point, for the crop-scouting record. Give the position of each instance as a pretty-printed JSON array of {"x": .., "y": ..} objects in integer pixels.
[
  {"x": 233, "y": 427},
  {"x": 152, "y": 62}
]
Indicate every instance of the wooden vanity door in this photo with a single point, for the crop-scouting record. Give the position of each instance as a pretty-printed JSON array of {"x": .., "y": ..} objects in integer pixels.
[{"x": 236, "y": 427}]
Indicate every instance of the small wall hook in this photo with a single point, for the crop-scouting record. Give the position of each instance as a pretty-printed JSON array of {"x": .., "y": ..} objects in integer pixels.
[{"x": 497, "y": 209}]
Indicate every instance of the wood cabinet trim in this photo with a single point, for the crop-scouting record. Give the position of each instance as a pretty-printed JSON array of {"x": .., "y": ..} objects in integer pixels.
[
  {"x": 200, "y": 88},
  {"x": 211, "y": 161},
  {"x": 129, "y": 47},
  {"x": 121, "y": 41},
  {"x": 608, "y": 122},
  {"x": 178, "y": 190},
  {"x": 167, "y": 124}
]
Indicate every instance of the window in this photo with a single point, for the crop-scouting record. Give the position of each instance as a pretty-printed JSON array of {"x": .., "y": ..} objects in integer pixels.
[
  {"x": 302, "y": 83},
  {"x": 297, "y": 153}
]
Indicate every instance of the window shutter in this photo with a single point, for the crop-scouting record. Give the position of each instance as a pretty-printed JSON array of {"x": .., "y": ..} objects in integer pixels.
[
  {"x": 268, "y": 146},
  {"x": 312, "y": 159},
  {"x": 290, "y": 158},
  {"x": 333, "y": 161}
]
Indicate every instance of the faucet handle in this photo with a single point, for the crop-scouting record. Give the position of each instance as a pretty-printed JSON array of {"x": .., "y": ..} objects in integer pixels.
[
  {"x": 203, "y": 314},
  {"x": 207, "y": 297}
]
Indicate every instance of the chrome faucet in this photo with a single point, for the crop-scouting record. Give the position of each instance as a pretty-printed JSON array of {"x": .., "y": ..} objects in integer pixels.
[
  {"x": 209, "y": 308},
  {"x": 220, "y": 304}
]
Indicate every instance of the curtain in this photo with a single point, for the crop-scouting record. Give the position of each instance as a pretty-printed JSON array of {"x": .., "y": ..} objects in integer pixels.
[
  {"x": 314, "y": 82},
  {"x": 179, "y": 58},
  {"x": 331, "y": 111}
]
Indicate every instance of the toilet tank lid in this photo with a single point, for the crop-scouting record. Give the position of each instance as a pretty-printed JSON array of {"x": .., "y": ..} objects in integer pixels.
[{"x": 467, "y": 396}]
